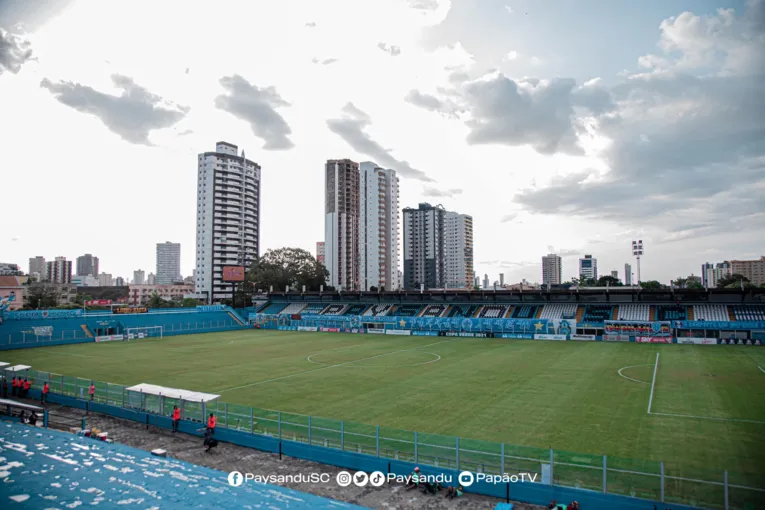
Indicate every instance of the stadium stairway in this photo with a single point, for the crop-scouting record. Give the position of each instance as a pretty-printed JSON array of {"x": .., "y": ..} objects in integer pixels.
[
  {"x": 510, "y": 311},
  {"x": 579, "y": 314},
  {"x": 615, "y": 315},
  {"x": 731, "y": 315},
  {"x": 539, "y": 312},
  {"x": 689, "y": 312},
  {"x": 652, "y": 313},
  {"x": 236, "y": 317},
  {"x": 86, "y": 330}
]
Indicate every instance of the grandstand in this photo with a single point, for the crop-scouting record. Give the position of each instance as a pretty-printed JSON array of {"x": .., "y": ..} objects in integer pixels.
[
  {"x": 749, "y": 313},
  {"x": 406, "y": 310},
  {"x": 356, "y": 309},
  {"x": 634, "y": 312},
  {"x": 671, "y": 313},
  {"x": 710, "y": 313},
  {"x": 292, "y": 308},
  {"x": 313, "y": 309},
  {"x": 463, "y": 310},
  {"x": 558, "y": 311},
  {"x": 334, "y": 309},
  {"x": 597, "y": 314},
  {"x": 378, "y": 310},
  {"x": 433, "y": 311},
  {"x": 525, "y": 312}
]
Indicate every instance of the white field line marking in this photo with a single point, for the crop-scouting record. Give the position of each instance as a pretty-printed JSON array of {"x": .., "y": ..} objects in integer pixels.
[
  {"x": 326, "y": 368},
  {"x": 633, "y": 366},
  {"x": 437, "y": 358},
  {"x": 653, "y": 382},
  {"x": 709, "y": 418},
  {"x": 761, "y": 369}
]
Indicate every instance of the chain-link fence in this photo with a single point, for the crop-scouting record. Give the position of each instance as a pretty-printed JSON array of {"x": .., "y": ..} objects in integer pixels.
[{"x": 612, "y": 475}]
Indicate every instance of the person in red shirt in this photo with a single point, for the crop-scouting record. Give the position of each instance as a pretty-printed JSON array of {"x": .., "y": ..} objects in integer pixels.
[
  {"x": 27, "y": 386},
  {"x": 176, "y": 418},
  {"x": 92, "y": 391},
  {"x": 211, "y": 423},
  {"x": 44, "y": 393},
  {"x": 14, "y": 385}
]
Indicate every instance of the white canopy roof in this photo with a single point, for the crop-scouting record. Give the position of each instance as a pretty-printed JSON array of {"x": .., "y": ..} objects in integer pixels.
[
  {"x": 17, "y": 368},
  {"x": 3, "y": 364},
  {"x": 190, "y": 396}
]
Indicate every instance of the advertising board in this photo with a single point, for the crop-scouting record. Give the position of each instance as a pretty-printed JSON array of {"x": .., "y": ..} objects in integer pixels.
[
  {"x": 653, "y": 339},
  {"x": 697, "y": 341},
  {"x": 307, "y": 328},
  {"x": 616, "y": 338},
  {"x": 402, "y": 332},
  {"x": 549, "y": 337},
  {"x": 583, "y": 337}
]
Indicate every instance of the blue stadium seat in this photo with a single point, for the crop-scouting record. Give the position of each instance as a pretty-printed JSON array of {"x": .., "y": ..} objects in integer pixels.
[
  {"x": 406, "y": 310},
  {"x": 525, "y": 312},
  {"x": 671, "y": 313},
  {"x": 463, "y": 310},
  {"x": 597, "y": 314}
]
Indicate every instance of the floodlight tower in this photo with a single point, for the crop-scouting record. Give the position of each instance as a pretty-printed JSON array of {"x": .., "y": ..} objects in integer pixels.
[{"x": 637, "y": 251}]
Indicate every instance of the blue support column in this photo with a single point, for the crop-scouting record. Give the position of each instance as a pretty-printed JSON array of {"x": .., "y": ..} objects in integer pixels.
[{"x": 45, "y": 418}]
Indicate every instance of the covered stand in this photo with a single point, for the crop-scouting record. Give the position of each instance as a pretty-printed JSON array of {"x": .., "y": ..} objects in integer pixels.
[{"x": 160, "y": 400}]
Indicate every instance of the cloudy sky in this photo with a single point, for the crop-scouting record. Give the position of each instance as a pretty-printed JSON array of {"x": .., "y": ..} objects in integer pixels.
[{"x": 564, "y": 126}]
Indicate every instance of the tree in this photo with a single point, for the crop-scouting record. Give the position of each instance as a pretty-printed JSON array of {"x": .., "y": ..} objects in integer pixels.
[
  {"x": 733, "y": 281},
  {"x": 651, "y": 285},
  {"x": 680, "y": 282},
  {"x": 41, "y": 296},
  {"x": 189, "y": 303},
  {"x": 156, "y": 301},
  {"x": 694, "y": 285},
  {"x": 608, "y": 281},
  {"x": 293, "y": 267},
  {"x": 373, "y": 289}
]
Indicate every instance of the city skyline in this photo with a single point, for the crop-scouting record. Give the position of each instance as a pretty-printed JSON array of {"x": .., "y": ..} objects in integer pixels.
[{"x": 465, "y": 107}]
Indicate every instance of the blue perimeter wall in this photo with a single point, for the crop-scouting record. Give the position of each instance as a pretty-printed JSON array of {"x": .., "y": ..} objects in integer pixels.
[{"x": 527, "y": 492}]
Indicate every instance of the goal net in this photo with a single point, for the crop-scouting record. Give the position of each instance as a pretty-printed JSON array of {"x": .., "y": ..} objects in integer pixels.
[{"x": 144, "y": 332}]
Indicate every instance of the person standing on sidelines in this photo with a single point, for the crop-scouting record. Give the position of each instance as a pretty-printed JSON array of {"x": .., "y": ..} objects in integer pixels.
[
  {"x": 14, "y": 385},
  {"x": 92, "y": 391},
  {"x": 27, "y": 386},
  {"x": 211, "y": 421},
  {"x": 176, "y": 418},
  {"x": 44, "y": 394}
]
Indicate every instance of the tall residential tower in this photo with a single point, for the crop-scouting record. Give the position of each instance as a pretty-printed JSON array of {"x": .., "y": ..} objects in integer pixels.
[
  {"x": 552, "y": 269},
  {"x": 228, "y": 218},
  {"x": 341, "y": 223},
  {"x": 378, "y": 228},
  {"x": 168, "y": 262}
]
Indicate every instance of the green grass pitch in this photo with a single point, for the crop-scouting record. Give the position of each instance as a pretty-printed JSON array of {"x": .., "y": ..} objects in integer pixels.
[{"x": 708, "y": 402}]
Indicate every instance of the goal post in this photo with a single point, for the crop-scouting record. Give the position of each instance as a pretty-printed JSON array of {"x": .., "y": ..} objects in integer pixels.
[{"x": 144, "y": 332}]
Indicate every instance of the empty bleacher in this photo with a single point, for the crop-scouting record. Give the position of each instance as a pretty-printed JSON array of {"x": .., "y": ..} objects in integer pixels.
[
  {"x": 557, "y": 311},
  {"x": 292, "y": 308},
  {"x": 749, "y": 313},
  {"x": 334, "y": 309},
  {"x": 634, "y": 312},
  {"x": 406, "y": 310},
  {"x": 671, "y": 313},
  {"x": 597, "y": 314},
  {"x": 710, "y": 313},
  {"x": 313, "y": 309},
  {"x": 433, "y": 311},
  {"x": 355, "y": 309},
  {"x": 525, "y": 312},
  {"x": 492, "y": 311},
  {"x": 378, "y": 310},
  {"x": 274, "y": 308},
  {"x": 463, "y": 310}
]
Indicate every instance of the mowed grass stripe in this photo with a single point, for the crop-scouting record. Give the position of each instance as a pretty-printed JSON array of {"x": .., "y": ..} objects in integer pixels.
[{"x": 564, "y": 395}]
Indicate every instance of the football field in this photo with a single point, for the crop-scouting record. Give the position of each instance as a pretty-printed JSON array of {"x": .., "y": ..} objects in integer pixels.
[{"x": 707, "y": 403}]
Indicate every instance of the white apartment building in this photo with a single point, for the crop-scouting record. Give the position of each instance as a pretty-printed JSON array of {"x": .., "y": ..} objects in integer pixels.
[
  {"x": 588, "y": 267},
  {"x": 141, "y": 294},
  {"x": 105, "y": 280},
  {"x": 552, "y": 269},
  {"x": 168, "y": 263},
  {"x": 139, "y": 277},
  {"x": 228, "y": 218},
  {"x": 341, "y": 223},
  {"x": 59, "y": 271},
  {"x": 378, "y": 227},
  {"x": 37, "y": 267},
  {"x": 151, "y": 279},
  {"x": 458, "y": 250},
  {"x": 711, "y": 273},
  {"x": 627, "y": 274}
]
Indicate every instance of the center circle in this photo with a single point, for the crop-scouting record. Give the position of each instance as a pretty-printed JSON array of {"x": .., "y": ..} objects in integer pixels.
[{"x": 397, "y": 360}]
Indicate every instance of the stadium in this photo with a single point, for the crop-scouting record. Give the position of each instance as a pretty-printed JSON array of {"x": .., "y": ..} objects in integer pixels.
[{"x": 605, "y": 394}]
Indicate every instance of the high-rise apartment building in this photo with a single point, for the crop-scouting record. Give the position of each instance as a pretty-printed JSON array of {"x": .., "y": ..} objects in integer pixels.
[
  {"x": 424, "y": 245},
  {"x": 712, "y": 273},
  {"x": 119, "y": 282},
  {"x": 37, "y": 267},
  {"x": 753, "y": 270},
  {"x": 552, "y": 268},
  {"x": 228, "y": 218},
  {"x": 627, "y": 274},
  {"x": 378, "y": 227},
  {"x": 59, "y": 271},
  {"x": 615, "y": 274},
  {"x": 151, "y": 279},
  {"x": 87, "y": 265},
  {"x": 501, "y": 279},
  {"x": 458, "y": 250},
  {"x": 168, "y": 263},
  {"x": 588, "y": 267},
  {"x": 139, "y": 277},
  {"x": 341, "y": 223},
  {"x": 320, "y": 251},
  {"x": 105, "y": 280}
]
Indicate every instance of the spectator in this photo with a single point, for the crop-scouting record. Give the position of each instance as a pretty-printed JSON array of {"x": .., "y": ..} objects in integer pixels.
[
  {"x": 176, "y": 418},
  {"x": 211, "y": 422},
  {"x": 414, "y": 479},
  {"x": 14, "y": 385},
  {"x": 554, "y": 505},
  {"x": 431, "y": 488},
  {"x": 92, "y": 390},
  {"x": 44, "y": 394},
  {"x": 33, "y": 419},
  {"x": 574, "y": 506},
  {"x": 23, "y": 416},
  {"x": 210, "y": 442},
  {"x": 5, "y": 387},
  {"x": 27, "y": 386},
  {"x": 452, "y": 493}
]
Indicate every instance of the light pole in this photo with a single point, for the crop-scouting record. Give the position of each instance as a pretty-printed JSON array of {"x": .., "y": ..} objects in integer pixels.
[{"x": 637, "y": 251}]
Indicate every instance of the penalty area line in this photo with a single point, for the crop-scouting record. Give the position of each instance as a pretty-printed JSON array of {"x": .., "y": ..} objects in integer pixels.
[
  {"x": 326, "y": 368},
  {"x": 737, "y": 420},
  {"x": 653, "y": 382}
]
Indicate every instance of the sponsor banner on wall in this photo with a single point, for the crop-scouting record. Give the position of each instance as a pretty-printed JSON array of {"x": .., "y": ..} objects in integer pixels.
[
  {"x": 98, "y": 302},
  {"x": 549, "y": 337},
  {"x": 616, "y": 338},
  {"x": 351, "y": 330},
  {"x": 697, "y": 341},
  {"x": 109, "y": 338},
  {"x": 130, "y": 309},
  {"x": 402, "y": 332},
  {"x": 425, "y": 333},
  {"x": 307, "y": 328},
  {"x": 583, "y": 337},
  {"x": 654, "y": 329},
  {"x": 210, "y": 308},
  {"x": 653, "y": 340},
  {"x": 375, "y": 331},
  {"x": 719, "y": 325},
  {"x": 43, "y": 314},
  {"x": 515, "y": 335},
  {"x": 330, "y": 330},
  {"x": 43, "y": 330},
  {"x": 466, "y": 335},
  {"x": 738, "y": 341},
  {"x": 287, "y": 328}
]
